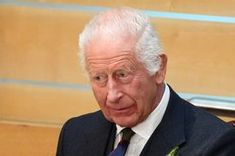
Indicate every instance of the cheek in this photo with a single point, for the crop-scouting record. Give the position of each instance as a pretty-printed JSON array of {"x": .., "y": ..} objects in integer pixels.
[
  {"x": 144, "y": 92},
  {"x": 136, "y": 93},
  {"x": 100, "y": 95},
  {"x": 137, "y": 90}
]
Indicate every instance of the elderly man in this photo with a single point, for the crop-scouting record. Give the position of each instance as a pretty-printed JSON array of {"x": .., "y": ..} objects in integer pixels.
[{"x": 140, "y": 114}]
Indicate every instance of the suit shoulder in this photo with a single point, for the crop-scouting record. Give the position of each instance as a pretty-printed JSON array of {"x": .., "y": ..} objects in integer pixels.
[
  {"x": 86, "y": 121},
  {"x": 85, "y": 125},
  {"x": 206, "y": 132},
  {"x": 202, "y": 125},
  {"x": 80, "y": 134},
  {"x": 203, "y": 118}
]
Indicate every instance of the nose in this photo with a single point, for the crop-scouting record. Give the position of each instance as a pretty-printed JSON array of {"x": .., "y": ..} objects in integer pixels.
[{"x": 114, "y": 92}]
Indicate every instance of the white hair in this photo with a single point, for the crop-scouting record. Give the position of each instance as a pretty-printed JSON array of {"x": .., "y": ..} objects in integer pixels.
[{"x": 125, "y": 21}]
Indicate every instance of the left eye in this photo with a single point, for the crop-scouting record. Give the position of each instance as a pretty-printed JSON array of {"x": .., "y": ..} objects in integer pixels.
[{"x": 122, "y": 74}]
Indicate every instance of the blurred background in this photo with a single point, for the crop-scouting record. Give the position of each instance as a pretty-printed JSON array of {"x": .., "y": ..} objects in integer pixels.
[{"x": 42, "y": 84}]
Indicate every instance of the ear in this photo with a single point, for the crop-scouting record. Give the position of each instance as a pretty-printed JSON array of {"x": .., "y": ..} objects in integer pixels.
[{"x": 161, "y": 73}]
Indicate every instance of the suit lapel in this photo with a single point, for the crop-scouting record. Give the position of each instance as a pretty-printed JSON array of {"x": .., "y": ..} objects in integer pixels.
[
  {"x": 110, "y": 140},
  {"x": 170, "y": 132},
  {"x": 100, "y": 142}
]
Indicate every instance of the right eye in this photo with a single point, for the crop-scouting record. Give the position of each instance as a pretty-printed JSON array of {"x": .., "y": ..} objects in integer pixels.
[{"x": 99, "y": 79}]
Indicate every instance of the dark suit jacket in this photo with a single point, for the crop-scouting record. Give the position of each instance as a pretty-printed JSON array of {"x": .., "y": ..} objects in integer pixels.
[{"x": 194, "y": 131}]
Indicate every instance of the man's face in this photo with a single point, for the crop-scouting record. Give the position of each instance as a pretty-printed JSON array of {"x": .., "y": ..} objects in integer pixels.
[{"x": 124, "y": 90}]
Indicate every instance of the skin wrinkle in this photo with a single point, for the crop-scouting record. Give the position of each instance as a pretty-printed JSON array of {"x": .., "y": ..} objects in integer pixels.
[
  {"x": 91, "y": 63},
  {"x": 126, "y": 104},
  {"x": 124, "y": 89}
]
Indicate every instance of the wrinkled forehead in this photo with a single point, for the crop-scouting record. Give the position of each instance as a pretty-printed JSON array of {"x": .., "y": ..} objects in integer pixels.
[{"x": 105, "y": 46}]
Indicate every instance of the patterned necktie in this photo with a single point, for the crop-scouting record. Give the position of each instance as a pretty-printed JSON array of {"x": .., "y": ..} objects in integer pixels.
[{"x": 127, "y": 133}]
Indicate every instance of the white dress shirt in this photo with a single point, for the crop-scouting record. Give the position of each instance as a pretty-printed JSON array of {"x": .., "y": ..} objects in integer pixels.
[{"x": 144, "y": 130}]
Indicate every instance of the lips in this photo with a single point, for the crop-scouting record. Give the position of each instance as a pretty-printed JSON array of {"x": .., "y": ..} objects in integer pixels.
[{"x": 122, "y": 111}]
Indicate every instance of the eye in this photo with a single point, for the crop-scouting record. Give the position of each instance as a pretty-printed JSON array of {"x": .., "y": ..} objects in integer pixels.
[
  {"x": 123, "y": 76},
  {"x": 99, "y": 79}
]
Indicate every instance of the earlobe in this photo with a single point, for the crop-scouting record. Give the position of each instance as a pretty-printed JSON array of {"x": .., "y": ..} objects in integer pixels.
[{"x": 160, "y": 74}]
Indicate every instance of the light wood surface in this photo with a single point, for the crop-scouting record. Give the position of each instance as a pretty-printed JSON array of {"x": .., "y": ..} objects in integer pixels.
[
  {"x": 44, "y": 48},
  {"x": 40, "y": 44},
  {"x": 43, "y": 105},
  {"x": 25, "y": 140},
  {"x": 211, "y": 7}
]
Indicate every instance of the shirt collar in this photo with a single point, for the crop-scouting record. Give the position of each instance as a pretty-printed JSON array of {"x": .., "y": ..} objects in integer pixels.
[{"x": 147, "y": 127}]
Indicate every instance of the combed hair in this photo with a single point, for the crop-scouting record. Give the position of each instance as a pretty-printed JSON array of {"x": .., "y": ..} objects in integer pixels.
[{"x": 123, "y": 22}]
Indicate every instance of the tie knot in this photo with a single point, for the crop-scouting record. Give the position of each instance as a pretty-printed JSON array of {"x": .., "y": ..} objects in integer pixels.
[
  {"x": 127, "y": 133},
  {"x": 120, "y": 150}
]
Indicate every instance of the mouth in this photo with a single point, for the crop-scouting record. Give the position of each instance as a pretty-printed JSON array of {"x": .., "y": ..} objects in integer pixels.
[{"x": 122, "y": 111}]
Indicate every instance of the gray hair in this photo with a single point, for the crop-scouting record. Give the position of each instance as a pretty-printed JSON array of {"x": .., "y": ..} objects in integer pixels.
[{"x": 125, "y": 21}]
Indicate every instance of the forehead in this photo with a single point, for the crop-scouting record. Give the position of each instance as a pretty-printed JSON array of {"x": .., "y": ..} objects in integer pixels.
[{"x": 106, "y": 51}]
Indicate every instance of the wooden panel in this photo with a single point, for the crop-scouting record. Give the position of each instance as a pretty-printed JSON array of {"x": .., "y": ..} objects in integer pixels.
[
  {"x": 48, "y": 107},
  {"x": 43, "y": 105},
  {"x": 201, "y": 56},
  {"x": 40, "y": 44},
  {"x": 44, "y": 47},
  {"x": 23, "y": 140},
  {"x": 163, "y": 5},
  {"x": 212, "y": 7}
]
